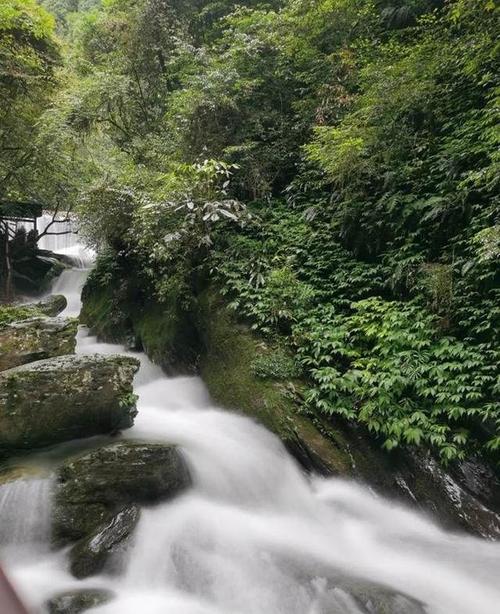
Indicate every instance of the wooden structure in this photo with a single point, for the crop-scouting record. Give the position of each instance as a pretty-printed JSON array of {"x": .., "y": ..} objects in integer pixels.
[
  {"x": 25, "y": 212},
  {"x": 11, "y": 214}
]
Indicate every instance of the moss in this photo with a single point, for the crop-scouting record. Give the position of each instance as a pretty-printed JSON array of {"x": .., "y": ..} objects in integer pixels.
[
  {"x": 36, "y": 339},
  {"x": 103, "y": 315},
  {"x": 17, "y": 313},
  {"x": 229, "y": 350},
  {"x": 167, "y": 335},
  {"x": 116, "y": 310},
  {"x": 275, "y": 364}
]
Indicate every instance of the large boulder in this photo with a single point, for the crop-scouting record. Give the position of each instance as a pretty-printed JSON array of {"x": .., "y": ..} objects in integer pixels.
[
  {"x": 92, "y": 488},
  {"x": 68, "y": 397},
  {"x": 36, "y": 339},
  {"x": 90, "y": 555},
  {"x": 77, "y": 601}
]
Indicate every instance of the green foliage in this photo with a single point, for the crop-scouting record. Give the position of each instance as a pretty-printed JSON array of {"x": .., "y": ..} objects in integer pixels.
[
  {"x": 275, "y": 365},
  {"x": 385, "y": 366},
  {"x": 28, "y": 57}
]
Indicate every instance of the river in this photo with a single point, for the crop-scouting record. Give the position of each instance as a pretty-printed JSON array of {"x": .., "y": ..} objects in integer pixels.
[{"x": 254, "y": 534}]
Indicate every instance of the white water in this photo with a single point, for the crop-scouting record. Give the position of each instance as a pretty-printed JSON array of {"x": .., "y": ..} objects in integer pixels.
[{"x": 253, "y": 535}]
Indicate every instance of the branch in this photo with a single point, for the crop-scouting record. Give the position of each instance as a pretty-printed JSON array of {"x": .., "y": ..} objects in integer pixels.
[
  {"x": 63, "y": 232},
  {"x": 54, "y": 221}
]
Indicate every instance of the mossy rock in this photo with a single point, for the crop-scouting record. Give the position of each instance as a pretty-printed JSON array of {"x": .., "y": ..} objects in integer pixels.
[
  {"x": 102, "y": 312},
  {"x": 94, "y": 487},
  {"x": 63, "y": 398},
  {"x": 229, "y": 351},
  {"x": 52, "y": 305},
  {"x": 12, "y": 312},
  {"x": 36, "y": 339},
  {"x": 164, "y": 330},
  {"x": 77, "y": 601}
]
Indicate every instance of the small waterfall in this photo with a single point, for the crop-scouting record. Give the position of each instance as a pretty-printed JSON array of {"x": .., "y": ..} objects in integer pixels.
[
  {"x": 66, "y": 237},
  {"x": 25, "y": 511},
  {"x": 70, "y": 283}
]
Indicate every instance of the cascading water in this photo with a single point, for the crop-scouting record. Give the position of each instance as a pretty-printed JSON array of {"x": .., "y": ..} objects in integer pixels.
[
  {"x": 255, "y": 536},
  {"x": 25, "y": 516}
]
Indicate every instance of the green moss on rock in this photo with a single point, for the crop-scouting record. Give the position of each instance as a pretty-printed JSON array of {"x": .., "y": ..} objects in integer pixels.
[
  {"x": 36, "y": 339},
  {"x": 16, "y": 313},
  {"x": 229, "y": 351},
  {"x": 54, "y": 400},
  {"x": 77, "y": 601},
  {"x": 164, "y": 330}
]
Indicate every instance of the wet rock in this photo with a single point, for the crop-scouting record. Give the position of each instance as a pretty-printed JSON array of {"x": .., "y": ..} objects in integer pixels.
[
  {"x": 90, "y": 555},
  {"x": 74, "y": 602},
  {"x": 377, "y": 600},
  {"x": 36, "y": 339},
  {"x": 92, "y": 488},
  {"x": 63, "y": 398},
  {"x": 479, "y": 480},
  {"x": 447, "y": 496},
  {"x": 51, "y": 306},
  {"x": 34, "y": 269}
]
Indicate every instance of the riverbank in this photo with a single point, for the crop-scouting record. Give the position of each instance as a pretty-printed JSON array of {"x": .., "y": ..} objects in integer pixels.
[{"x": 249, "y": 373}]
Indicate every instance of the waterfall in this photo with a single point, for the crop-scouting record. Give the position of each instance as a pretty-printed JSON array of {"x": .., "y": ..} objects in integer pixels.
[
  {"x": 254, "y": 535},
  {"x": 56, "y": 242},
  {"x": 66, "y": 241},
  {"x": 25, "y": 516}
]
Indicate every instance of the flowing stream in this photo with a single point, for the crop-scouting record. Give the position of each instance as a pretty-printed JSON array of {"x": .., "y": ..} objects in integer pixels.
[{"x": 253, "y": 535}]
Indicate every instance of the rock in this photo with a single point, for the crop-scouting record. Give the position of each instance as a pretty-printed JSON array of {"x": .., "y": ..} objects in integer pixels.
[
  {"x": 63, "y": 398},
  {"x": 74, "y": 602},
  {"x": 479, "y": 480},
  {"x": 450, "y": 497},
  {"x": 34, "y": 272},
  {"x": 89, "y": 556},
  {"x": 378, "y": 600},
  {"x": 92, "y": 488},
  {"x": 36, "y": 339},
  {"x": 52, "y": 305}
]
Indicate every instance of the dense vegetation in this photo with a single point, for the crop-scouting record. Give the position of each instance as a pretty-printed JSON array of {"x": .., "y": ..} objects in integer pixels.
[{"x": 332, "y": 165}]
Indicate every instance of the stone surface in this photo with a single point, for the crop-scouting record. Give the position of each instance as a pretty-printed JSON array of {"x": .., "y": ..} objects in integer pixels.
[
  {"x": 34, "y": 270},
  {"x": 375, "y": 599},
  {"x": 69, "y": 397},
  {"x": 90, "y": 555},
  {"x": 52, "y": 305},
  {"x": 92, "y": 488},
  {"x": 74, "y": 602},
  {"x": 36, "y": 339}
]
